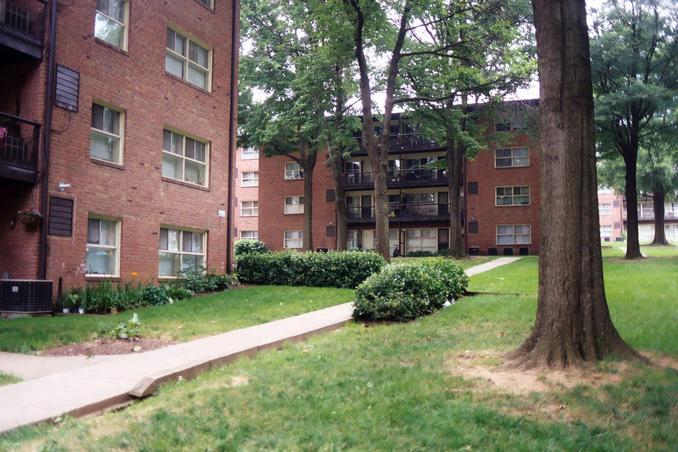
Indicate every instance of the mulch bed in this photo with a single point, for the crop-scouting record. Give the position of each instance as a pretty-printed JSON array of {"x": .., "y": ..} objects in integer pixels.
[{"x": 107, "y": 347}]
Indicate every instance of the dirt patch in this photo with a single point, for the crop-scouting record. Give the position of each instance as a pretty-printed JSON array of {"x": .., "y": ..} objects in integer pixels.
[
  {"x": 107, "y": 347},
  {"x": 486, "y": 367}
]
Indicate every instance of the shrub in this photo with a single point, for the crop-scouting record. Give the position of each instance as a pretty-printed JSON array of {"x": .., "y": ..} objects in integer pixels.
[
  {"x": 177, "y": 292},
  {"x": 333, "y": 269},
  {"x": 250, "y": 247},
  {"x": 405, "y": 292},
  {"x": 200, "y": 281},
  {"x": 124, "y": 330},
  {"x": 153, "y": 296},
  {"x": 420, "y": 254}
]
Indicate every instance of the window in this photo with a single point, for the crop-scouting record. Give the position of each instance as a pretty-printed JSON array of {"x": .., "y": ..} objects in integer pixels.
[
  {"x": 511, "y": 157},
  {"x": 250, "y": 179},
  {"x": 473, "y": 188},
  {"x": 353, "y": 240},
  {"x": 249, "y": 208},
  {"x": 249, "y": 153},
  {"x": 207, "y": 3},
  {"x": 106, "y": 134},
  {"x": 512, "y": 196},
  {"x": 249, "y": 235},
  {"x": 180, "y": 251},
  {"x": 514, "y": 234},
  {"x": 184, "y": 158},
  {"x": 293, "y": 171},
  {"x": 103, "y": 242},
  {"x": 110, "y": 23},
  {"x": 605, "y": 209},
  {"x": 294, "y": 204},
  {"x": 472, "y": 227},
  {"x": 421, "y": 240},
  {"x": 187, "y": 60},
  {"x": 294, "y": 239},
  {"x": 606, "y": 231}
]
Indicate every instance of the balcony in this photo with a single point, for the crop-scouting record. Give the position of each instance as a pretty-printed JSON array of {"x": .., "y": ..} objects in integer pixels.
[
  {"x": 404, "y": 142},
  {"x": 19, "y": 141},
  {"x": 411, "y": 212},
  {"x": 406, "y": 178},
  {"x": 21, "y": 31}
]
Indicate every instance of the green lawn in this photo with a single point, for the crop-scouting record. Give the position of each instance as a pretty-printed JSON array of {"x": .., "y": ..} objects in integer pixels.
[
  {"x": 618, "y": 249},
  {"x": 389, "y": 386},
  {"x": 6, "y": 379},
  {"x": 187, "y": 319}
]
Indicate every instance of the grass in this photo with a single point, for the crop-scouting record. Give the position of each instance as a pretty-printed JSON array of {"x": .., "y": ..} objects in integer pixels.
[
  {"x": 618, "y": 249},
  {"x": 6, "y": 379},
  {"x": 389, "y": 386},
  {"x": 187, "y": 319}
]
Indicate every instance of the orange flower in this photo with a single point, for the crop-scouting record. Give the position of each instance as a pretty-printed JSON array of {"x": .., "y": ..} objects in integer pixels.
[{"x": 135, "y": 274}]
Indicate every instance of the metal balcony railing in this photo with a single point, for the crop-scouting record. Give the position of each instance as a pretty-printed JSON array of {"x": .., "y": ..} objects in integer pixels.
[
  {"x": 21, "y": 28},
  {"x": 411, "y": 177},
  {"x": 404, "y": 141},
  {"x": 19, "y": 141},
  {"x": 402, "y": 211}
]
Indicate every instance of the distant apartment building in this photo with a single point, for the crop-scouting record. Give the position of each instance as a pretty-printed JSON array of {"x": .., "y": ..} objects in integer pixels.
[
  {"x": 646, "y": 221},
  {"x": 116, "y": 118},
  {"x": 611, "y": 216},
  {"x": 246, "y": 192},
  {"x": 500, "y": 189}
]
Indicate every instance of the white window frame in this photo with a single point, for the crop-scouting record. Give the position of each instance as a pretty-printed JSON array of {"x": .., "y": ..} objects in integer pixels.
[
  {"x": 293, "y": 174},
  {"x": 183, "y": 157},
  {"x": 115, "y": 247},
  {"x": 512, "y": 196},
  {"x": 609, "y": 231},
  {"x": 420, "y": 240},
  {"x": 353, "y": 239},
  {"x": 249, "y": 154},
  {"x": 186, "y": 61},
  {"x": 121, "y": 132},
  {"x": 605, "y": 208},
  {"x": 252, "y": 181},
  {"x": 209, "y": 5},
  {"x": 180, "y": 251},
  {"x": 124, "y": 25},
  {"x": 293, "y": 208},
  {"x": 299, "y": 239},
  {"x": 513, "y": 159},
  {"x": 513, "y": 234},
  {"x": 254, "y": 209},
  {"x": 255, "y": 235}
]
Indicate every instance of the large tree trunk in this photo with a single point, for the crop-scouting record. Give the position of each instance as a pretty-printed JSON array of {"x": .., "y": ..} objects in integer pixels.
[
  {"x": 455, "y": 164},
  {"x": 573, "y": 325},
  {"x": 631, "y": 194},
  {"x": 308, "y": 163},
  {"x": 658, "y": 199}
]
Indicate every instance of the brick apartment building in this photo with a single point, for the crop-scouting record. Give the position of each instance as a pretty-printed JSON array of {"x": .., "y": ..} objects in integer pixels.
[
  {"x": 646, "y": 223},
  {"x": 116, "y": 118},
  {"x": 246, "y": 192},
  {"x": 500, "y": 186},
  {"x": 610, "y": 213}
]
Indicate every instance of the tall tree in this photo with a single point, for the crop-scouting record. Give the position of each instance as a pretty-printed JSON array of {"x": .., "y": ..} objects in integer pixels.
[
  {"x": 464, "y": 50},
  {"x": 573, "y": 324},
  {"x": 286, "y": 63},
  {"x": 634, "y": 52}
]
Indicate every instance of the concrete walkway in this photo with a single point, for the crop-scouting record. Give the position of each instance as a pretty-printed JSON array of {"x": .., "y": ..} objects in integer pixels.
[{"x": 84, "y": 385}]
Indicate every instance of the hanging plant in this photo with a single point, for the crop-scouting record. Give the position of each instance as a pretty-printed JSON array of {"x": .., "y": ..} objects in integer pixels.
[{"x": 30, "y": 217}]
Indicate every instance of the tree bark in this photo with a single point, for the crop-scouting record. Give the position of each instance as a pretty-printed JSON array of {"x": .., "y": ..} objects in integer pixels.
[
  {"x": 573, "y": 325},
  {"x": 308, "y": 164},
  {"x": 631, "y": 195},
  {"x": 455, "y": 164},
  {"x": 658, "y": 199}
]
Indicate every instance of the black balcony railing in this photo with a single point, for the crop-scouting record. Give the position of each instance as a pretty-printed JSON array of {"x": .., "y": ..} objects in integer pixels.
[
  {"x": 21, "y": 29},
  {"x": 403, "y": 212},
  {"x": 404, "y": 141},
  {"x": 412, "y": 177},
  {"x": 19, "y": 141}
]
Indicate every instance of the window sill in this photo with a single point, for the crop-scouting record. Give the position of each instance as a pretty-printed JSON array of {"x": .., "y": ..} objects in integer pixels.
[
  {"x": 248, "y": 216},
  {"x": 298, "y": 178},
  {"x": 249, "y": 186},
  {"x": 187, "y": 83},
  {"x": 295, "y": 213},
  {"x": 513, "y": 205},
  {"x": 102, "y": 278},
  {"x": 111, "y": 46},
  {"x": 185, "y": 184},
  {"x": 206, "y": 7},
  {"x": 510, "y": 167},
  {"x": 114, "y": 165}
]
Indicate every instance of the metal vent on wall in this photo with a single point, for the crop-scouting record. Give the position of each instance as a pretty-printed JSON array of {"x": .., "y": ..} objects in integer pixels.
[
  {"x": 67, "y": 88},
  {"x": 60, "y": 216}
]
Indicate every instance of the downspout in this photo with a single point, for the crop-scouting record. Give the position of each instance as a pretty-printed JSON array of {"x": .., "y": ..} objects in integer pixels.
[
  {"x": 235, "y": 50},
  {"x": 46, "y": 136}
]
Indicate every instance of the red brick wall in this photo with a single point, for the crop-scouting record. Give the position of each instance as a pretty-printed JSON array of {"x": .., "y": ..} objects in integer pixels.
[
  {"x": 244, "y": 194},
  {"x": 135, "y": 81},
  {"x": 272, "y": 191},
  {"x": 481, "y": 207}
]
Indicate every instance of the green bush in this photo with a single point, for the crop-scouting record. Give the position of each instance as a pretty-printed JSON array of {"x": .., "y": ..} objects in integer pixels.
[
  {"x": 407, "y": 291},
  {"x": 130, "y": 329},
  {"x": 177, "y": 292},
  {"x": 247, "y": 246},
  {"x": 334, "y": 269},
  {"x": 201, "y": 281},
  {"x": 421, "y": 254}
]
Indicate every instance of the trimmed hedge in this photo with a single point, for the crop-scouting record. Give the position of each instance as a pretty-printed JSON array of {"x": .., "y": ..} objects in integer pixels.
[
  {"x": 344, "y": 269},
  {"x": 407, "y": 291},
  {"x": 248, "y": 246}
]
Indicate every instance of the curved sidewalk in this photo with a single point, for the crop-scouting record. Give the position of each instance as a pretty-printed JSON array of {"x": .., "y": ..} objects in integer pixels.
[{"x": 114, "y": 380}]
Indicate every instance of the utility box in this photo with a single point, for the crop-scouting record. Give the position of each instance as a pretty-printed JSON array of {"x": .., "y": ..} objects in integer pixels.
[{"x": 25, "y": 296}]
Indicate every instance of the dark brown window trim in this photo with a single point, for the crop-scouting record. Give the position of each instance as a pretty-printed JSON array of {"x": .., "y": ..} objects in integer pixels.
[
  {"x": 185, "y": 184},
  {"x": 187, "y": 83},
  {"x": 111, "y": 46},
  {"x": 113, "y": 165}
]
